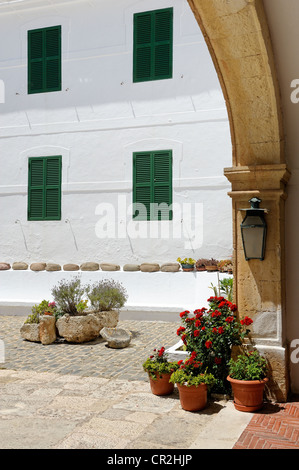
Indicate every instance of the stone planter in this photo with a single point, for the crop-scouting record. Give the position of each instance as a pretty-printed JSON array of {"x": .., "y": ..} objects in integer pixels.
[
  {"x": 30, "y": 332},
  {"x": 43, "y": 332},
  {"x": 83, "y": 328},
  {"x": 117, "y": 338}
]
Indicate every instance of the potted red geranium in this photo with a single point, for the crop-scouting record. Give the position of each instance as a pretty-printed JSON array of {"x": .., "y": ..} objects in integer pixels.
[
  {"x": 212, "y": 333},
  {"x": 193, "y": 383},
  {"x": 159, "y": 370}
]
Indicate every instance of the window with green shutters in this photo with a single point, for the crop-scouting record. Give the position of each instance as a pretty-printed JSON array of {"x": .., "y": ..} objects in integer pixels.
[
  {"x": 44, "y": 188},
  {"x": 153, "y": 45},
  {"x": 44, "y": 60},
  {"x": 152, "y": 185}
]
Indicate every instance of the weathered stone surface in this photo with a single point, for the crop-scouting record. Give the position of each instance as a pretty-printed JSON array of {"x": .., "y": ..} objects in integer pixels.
[
  {"x": 170, "y": 267},
  {"x": 90, "y": 266},
  {"x": 117, "y": 338},
  {"x": 38, "y": 266},
  {"x": 47, "y": 330},
  {"x": 108, "y": 319},
  {"x": 19, "y": 265},
  {"x": 71, "y": 267},
  {"x": 109, "y": 267},
  {"x": 53, "y": 267},
  {"x": 4, "y": 266},
  {"x": 131, "y": 267},
  {"x": 149, "y": 267},
  {"x": 82, "y": 328},
  {"x": 30, "y": 332}
]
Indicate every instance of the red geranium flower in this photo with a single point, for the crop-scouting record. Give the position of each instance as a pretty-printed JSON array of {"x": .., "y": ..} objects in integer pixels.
[
  {"x": 196, "y": 333},
  {"x": 180, "y": 330},
  {"x": 229, "y": 319},
  {"x": 220, "y": 329},
  {"x": 247, "y": 321},
  {"x": 183, "y": 314},
  {"x": 208, "y": 344}
]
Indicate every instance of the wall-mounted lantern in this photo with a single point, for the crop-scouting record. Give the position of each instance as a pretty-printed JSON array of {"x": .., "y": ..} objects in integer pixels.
[{"x": 254, "y": 231}]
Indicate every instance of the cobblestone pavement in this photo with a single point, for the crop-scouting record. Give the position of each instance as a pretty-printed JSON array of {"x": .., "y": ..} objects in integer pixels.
[{"x": 87, "y": 359}]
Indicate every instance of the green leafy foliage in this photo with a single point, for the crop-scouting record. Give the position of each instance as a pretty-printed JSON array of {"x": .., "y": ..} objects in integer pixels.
[
  {"x": 191, "y": 372},
  {"x": 248, "y": 366},
  {"x": 158, "y": 364}
]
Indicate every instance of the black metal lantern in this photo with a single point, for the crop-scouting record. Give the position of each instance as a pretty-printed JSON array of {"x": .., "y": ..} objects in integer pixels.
[{"x": 254, "y": 231}]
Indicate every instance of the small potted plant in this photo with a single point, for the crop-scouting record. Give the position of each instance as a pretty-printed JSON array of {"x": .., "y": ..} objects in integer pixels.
[
  {"x": 187, "y": 264},
  {"x": 159, "y": 370},
  {"x": 225, "y": 266},
  {"x": 211, "y": 265},
  {"x": 248, "y": 376},
  {"x": 193, "y": 383},
  {"x": 201, "y": 264}
]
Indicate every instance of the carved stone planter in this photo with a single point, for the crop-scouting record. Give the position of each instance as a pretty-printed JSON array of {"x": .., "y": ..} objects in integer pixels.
[
  {"x": 117, "y": 338},
  {"x": 83, "y": 328}
]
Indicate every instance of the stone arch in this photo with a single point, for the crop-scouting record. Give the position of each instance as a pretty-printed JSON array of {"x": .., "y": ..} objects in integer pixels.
[
  {"x": 239, "y": 42},
  {"x": 238, "y": 38}
]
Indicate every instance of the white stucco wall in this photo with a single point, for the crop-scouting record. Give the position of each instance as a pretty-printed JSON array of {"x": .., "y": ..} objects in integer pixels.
[
  {"x": 157, "y": 292},
  {"x": 96, "y": 122}
]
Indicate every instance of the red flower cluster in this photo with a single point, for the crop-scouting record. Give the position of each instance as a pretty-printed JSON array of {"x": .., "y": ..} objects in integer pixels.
[{"x": 246, "y": 321}]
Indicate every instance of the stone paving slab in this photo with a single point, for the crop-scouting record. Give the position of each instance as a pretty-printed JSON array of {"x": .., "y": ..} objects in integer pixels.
[
  {"x": 54, "y": 411},
  {"x": 88, "y": 396}
]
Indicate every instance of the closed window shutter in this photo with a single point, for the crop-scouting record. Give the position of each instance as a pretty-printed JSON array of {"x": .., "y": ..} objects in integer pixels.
[
  {"x": 153, "y": 45},
  {"x": 44, "y": 188},
  {"x": 152, "y": 185},
  {"x": 44, "y": 60},
  {"x": 52, "y": 188},
  {"x": 162, "y": 185},
  {"x": 36, "y": 189},
  {"x": 142, "y": 185}
]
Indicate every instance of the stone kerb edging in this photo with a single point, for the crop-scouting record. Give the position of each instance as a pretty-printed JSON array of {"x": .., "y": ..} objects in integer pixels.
[{"x": 90, "y": 266}]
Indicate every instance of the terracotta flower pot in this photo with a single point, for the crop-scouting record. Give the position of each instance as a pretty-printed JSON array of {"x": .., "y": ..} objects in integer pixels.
[
  {"x": 248, "y": 394},
  {"x": 161, "y": 385},
  {"x": 211, "y": 268},
  {"x": 193, "y": 398}
]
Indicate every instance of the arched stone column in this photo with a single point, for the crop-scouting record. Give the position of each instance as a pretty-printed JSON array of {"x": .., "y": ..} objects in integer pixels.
[{"x": 238, "y": 38}]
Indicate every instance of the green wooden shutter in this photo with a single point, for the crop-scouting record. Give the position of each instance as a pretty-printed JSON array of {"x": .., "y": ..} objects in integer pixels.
[
  {"x": 153, "y": 45},
  {"x": 44, "y": 60},
  {"x": 152, "y": 185},
  {"x": 35, "y": 189},
  {"x": 142, "y": 185},
  {"x": 44, "y": 188},
  {"x": 162, "y": 185}
]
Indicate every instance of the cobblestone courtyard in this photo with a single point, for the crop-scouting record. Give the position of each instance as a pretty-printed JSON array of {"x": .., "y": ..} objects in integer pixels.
[{"x": 86, "y": 359}]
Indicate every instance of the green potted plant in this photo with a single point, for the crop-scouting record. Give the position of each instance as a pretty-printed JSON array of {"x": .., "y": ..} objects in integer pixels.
[
  {"x": 193, "y": 383},
  {"x": 159, "y": 370},
  {"x": 187, "y": 263},
  {"x": 248, "y": 377}
]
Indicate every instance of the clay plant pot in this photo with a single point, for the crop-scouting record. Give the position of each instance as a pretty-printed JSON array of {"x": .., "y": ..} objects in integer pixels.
[
  {"x": 161, "y": 385},
  {"x": 193, "y": 398},
  {"x": 248, "y": 394},
  {"x": 187, "y": 267},
  {"x": 212, "y": 268}
]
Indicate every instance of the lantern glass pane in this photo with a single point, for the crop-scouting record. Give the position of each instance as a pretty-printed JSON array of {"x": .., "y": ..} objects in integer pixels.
[{"x": 253, "y": 240}]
